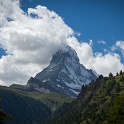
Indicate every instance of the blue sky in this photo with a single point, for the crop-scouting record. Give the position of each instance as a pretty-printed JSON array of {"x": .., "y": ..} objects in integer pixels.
[
  {"x": 94, "y": 19},
  {"x": 31, "y": 31}
]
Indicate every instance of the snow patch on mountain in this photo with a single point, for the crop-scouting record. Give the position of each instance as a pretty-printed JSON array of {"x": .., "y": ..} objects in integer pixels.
[{"x": 65, "y": 73}]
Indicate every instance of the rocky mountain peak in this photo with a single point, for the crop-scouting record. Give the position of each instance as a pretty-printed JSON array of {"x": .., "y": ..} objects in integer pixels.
[
  {"x": 65, "y": 73},
  {"x": 61, "y": 56}
]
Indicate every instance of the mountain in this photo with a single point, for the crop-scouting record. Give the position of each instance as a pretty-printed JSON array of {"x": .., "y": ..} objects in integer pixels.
[
  {"x": 100, "y": 102},
  {"x": 24, "y": 110},
  {"x": 52, "y": 100},
  {"x": 29, "y": 107},
  {"x": 37, "y": 85},
  {"x": 65, "y": 74},
  {"x": 35, "y": 102}
]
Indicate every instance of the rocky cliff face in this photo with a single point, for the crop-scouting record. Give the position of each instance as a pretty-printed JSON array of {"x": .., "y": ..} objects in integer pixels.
[{"x": 65, "y": 74}]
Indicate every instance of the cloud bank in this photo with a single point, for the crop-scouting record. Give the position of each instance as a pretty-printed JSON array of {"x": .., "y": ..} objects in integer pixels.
[{"x": 30, "y": 40}]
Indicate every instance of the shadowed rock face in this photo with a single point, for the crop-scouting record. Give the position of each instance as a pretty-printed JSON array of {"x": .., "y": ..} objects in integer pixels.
[{"x": 65, "y": 74}]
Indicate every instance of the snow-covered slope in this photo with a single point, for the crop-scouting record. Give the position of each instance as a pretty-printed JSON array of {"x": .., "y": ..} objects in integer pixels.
[{"x": 65, "y": 73}]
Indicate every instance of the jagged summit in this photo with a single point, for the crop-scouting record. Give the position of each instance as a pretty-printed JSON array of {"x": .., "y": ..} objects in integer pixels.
[{"x": 65, "y": 73}]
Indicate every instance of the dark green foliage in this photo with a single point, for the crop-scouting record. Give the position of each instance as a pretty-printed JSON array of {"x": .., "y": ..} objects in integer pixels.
[
  {"x": 4, "y": 117},
  {"x": 93, "y": 103},
  {"x": 121, "y": 72},
  {"x": 110, "y": 75},
  {"x": 65, "y": 115},
  {"x": 101, "y": 76},
  {"x": 52, "y": 100},
  {"x": 117, "y": 87},
  {"x": 122, "y": 79},
  {"x": 117, "y": 74},
  {"x": 84, "y": 88},
  {"x": 24, "y": 110},
  {"x": 116, "y": 112},
  {"x": 30, "y": 107}
]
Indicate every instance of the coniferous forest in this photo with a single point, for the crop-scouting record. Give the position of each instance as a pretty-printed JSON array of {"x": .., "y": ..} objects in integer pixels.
[{"x": 100, "y": 102}]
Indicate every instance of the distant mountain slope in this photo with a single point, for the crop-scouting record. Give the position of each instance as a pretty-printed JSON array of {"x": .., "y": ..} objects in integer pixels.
[
  {"x": 52, "y": 99},
  {"x": 43, "y": 87},
  {"x": 100, "y": 102},
  {"x": 29, "y": 107},
  {"x": 65, "y": 74},
  {"x": 24, "y": 110}
]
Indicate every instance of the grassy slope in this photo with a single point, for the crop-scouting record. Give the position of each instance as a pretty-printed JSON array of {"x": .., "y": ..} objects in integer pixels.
[{"x": 52, "y": 100}]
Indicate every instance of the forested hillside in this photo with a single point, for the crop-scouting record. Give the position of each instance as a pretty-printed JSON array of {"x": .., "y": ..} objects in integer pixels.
[
  {"x": 24, "y": 110},
  {"x": 100, "y": 102},
  {"x": 29, "y": 107}
]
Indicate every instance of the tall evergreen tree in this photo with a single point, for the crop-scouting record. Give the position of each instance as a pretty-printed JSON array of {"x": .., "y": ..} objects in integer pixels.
[
  {"x": 121, "y": 72},
  {"x": 117, "y": 74},
  {"x": 110, "y": 75}
]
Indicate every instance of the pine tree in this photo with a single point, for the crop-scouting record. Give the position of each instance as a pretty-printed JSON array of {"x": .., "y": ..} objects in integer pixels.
[
  {"x": 117, "y": 74},
  {"x": 121, "y": 72},
  {"x": 110, "y": 75}
]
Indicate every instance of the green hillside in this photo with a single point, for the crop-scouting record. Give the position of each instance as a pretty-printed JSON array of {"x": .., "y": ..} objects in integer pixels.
[
  {"x": 30, "y": 107},
  {"x": 52, "y": 100},
  {"x": 24, "y": 110},
  {"x": 100, "y": 102}
]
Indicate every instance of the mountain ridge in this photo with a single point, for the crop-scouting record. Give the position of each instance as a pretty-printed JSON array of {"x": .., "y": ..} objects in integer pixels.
[{"x": 65, "y": 73}]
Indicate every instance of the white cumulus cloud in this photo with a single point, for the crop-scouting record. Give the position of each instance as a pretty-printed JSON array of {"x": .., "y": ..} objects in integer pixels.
[
  {"x": 102, "y": 64},
  {"x": 30, "y": 40},
  {"x": 120, "y": 45}
]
